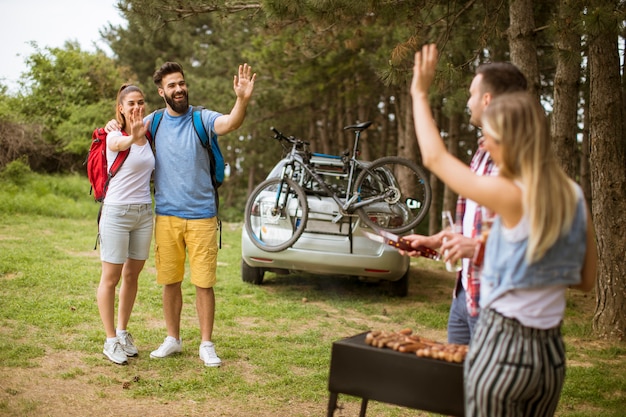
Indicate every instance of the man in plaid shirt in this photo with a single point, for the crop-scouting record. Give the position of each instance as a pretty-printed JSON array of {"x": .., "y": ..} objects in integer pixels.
[{"x": 491, "y": 80}]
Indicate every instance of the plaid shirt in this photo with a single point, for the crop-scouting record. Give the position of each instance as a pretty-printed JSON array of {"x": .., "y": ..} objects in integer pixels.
[{"x": 472, "y": 292}]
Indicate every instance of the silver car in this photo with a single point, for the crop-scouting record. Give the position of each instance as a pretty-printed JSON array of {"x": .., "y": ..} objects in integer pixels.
[{"x": 326, "y": 247}]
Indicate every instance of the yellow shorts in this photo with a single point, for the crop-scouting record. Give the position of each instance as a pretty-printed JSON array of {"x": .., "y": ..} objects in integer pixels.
[{"x": 172, "y": 236}]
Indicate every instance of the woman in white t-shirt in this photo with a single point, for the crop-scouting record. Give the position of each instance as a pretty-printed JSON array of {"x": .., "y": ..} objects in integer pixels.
[{"x": 126, "y": 223}]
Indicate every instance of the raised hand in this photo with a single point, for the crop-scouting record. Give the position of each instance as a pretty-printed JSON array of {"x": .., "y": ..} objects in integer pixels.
[
  {"x": 243, "y": 83},
  {"x": 135, "y": 123},
  {"x": 424, "y": 69}
]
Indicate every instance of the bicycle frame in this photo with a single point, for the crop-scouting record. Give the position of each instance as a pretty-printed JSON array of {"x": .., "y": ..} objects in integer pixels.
[{"x": 296, "y": 163}]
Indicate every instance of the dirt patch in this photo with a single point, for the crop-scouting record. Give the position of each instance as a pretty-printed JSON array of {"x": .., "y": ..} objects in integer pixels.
[{"x": 61, "y": 386}]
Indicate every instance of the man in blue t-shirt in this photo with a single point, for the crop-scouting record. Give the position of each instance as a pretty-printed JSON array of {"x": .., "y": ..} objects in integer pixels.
[{"x": 186, "y": 206}]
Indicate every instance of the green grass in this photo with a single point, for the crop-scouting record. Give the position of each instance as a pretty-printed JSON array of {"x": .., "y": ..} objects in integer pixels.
[{"x": 274, "y": 339}]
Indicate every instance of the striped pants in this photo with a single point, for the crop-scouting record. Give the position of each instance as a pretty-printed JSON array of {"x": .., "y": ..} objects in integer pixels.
[{"x": 512, "y": 370}]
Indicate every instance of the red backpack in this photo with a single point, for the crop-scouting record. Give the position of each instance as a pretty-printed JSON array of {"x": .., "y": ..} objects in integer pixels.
[{"x": 97, "y": 171}]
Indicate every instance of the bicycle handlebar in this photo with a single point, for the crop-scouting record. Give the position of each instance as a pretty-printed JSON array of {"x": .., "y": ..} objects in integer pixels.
[{"x": 291, "y": 139}]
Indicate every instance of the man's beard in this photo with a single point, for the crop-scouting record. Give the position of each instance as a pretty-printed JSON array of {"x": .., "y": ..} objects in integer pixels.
[{"x": 179, "y": 107}]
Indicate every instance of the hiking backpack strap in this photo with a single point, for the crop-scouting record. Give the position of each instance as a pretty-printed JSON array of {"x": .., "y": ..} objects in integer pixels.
[
  {"x": 154, "y": 124},
  {"x": 198, "y": 125},
  {"x": 209, "y": 145}
]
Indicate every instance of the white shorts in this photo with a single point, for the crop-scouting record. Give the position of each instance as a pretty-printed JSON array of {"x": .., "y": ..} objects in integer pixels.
[{"x": 125, "y": 232}]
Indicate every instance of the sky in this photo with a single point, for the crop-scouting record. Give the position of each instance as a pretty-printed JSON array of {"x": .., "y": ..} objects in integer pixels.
[{"x": 50, "y": 23}]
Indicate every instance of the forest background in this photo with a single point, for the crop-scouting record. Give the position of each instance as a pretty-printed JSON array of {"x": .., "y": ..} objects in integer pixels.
[{"x": 324, "y": 64}]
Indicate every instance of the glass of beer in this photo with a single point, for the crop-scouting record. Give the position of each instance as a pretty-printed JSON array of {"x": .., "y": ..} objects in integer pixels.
[
  {"x": 487, "y": 217},
  {"x": 447, "y": 224}
]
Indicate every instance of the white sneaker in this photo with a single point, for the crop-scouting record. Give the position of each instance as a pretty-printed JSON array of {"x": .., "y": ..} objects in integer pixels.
[
  {"x": 208, "y": 355},
  {"x": 128, "y": 344},
  {"x": 169, "y": 347},
  {"x": 114, "y": 352}
]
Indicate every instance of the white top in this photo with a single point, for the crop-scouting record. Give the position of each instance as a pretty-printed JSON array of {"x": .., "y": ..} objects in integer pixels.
[
  {"x": 541, "y": 307},
  {"x": 468, "y": 230},
  {"x": 131, "y": 184}
]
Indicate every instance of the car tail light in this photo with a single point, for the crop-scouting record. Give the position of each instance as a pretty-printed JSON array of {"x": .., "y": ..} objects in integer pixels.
[
  {"x": 386, "y": 220},
  {"x": 396, "y": 221},
  {"x": 264, "y": 260},
  {"x": 255, "y": 209}
]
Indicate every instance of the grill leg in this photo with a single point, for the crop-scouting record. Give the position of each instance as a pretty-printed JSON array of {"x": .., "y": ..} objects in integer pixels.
[
  {"x": 363, "y": 407},
  {"x": 332, "y": 404}
]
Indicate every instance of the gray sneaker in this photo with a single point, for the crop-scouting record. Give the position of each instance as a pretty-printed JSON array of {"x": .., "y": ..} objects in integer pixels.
[
  {"x": 169, "y": 347},
  {"x": 128, "y": 344},
  {"x": 115, "y": 353},
  {"x": 208, "y": 355}
]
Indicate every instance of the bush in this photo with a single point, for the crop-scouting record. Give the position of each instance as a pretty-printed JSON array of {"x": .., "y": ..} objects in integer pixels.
[
  {"x": 17, "y": 172},
  {"x": 28, "y": 193}
]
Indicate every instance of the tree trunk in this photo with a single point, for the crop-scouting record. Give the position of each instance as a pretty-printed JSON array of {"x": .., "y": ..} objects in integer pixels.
[
  {"x": 350, "y": 118},
  {"x": 251, "y": 180},
  {"x": 407, "y": 141},
  {"x": 385, "y": 129},
  {"x": 608, "y": 170},
  {"x": 340, "y": 122},
  {"x": 319, "y": 124},
  {"x": 363, "y": 116},
  {"x": 437, "y": 188},
  {"x": 564, "y": 127},
  {"x": 434, "y": 213},
  {"x": 585, "y": 169},
  {"x": 522, "y": 45},
  {"x": 312, "y": 131}
]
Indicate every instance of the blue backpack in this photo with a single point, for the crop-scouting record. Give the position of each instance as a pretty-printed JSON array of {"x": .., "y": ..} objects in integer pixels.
[{"x": 215, "y": 154}]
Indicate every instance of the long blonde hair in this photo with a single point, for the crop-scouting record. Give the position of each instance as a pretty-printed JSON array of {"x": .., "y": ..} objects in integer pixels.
[{"x": 518, "y": 122}]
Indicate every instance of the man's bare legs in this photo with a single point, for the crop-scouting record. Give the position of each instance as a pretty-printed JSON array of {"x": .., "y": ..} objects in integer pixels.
[
  {"x": 172, "y": 308},
  {"x": 205, "y": 307}
]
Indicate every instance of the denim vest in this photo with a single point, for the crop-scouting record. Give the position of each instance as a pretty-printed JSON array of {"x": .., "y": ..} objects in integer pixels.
[{"x": 506, "y": 267}]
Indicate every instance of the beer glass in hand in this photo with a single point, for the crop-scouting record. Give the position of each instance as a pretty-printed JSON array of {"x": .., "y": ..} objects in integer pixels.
[
  {"x": 487, "y": 217},
  {"x": 447, "y": 224}
]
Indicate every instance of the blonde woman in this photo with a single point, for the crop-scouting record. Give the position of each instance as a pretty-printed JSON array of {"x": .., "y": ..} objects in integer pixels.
[
  {"x": 541, "y": 243},
  {"x": 126, "y": 223}
]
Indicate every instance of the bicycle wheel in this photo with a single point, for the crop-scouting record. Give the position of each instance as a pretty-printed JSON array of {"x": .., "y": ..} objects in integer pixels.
[
  {"x": 276, "y": 214},
  {"x": 400, "y": 194}
]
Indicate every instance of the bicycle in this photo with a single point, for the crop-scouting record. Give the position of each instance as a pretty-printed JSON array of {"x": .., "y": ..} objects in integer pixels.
[{"x": 390, "y": 193}]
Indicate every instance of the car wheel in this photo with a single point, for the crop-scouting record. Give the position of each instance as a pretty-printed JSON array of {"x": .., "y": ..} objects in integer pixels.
[
  {"x": 251, "y": 274},
  {"x": 400, "y": 288}
]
